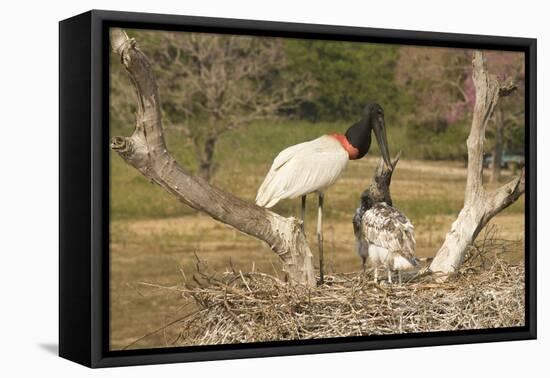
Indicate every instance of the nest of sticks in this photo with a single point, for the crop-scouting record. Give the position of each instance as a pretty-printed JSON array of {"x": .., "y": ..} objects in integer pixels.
[{"x": 238, "y": 307}]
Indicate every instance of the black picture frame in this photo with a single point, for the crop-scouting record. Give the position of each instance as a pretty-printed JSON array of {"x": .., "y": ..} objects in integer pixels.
[{"x": 84, "y": 188}]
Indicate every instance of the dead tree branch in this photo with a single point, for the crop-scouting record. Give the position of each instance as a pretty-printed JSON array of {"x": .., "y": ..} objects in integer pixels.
[
  {"x": 146, "y": 151},
  {"x": 479, "y": 205}
]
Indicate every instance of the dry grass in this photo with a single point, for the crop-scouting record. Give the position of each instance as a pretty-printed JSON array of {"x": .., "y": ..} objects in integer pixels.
[{"x": 237, "y": 307}]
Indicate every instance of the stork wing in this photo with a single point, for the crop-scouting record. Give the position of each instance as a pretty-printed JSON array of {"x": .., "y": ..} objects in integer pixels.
[
  {"x": 387, "y": 227},
  {"x": 302, "y": 169}
]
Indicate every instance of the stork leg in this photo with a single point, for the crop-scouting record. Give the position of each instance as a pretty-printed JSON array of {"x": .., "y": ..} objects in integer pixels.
[
  {"x": 375, "y": 274},
  {"x": 304, "y": 214},
  {"x": 399, "y": 277},
  {"x": 389, "y": 276},
  {"x": 320, "y": 237}
]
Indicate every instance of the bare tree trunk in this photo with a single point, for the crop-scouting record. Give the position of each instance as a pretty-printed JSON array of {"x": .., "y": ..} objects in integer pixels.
[
  {"x": 499, "y": 141},
  {"x": 479, "y": 205},
  {"x": 206, "y": 162},
  {"x": 146, "y": 151}
]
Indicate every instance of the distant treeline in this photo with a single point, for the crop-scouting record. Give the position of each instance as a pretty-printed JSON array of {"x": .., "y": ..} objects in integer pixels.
[{"x": 427, "y": 93}]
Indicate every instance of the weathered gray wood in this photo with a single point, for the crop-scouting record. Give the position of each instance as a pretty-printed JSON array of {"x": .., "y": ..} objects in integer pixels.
[
  {"x": 146, "y": 151},
  {"x": 479, "y": 205}
]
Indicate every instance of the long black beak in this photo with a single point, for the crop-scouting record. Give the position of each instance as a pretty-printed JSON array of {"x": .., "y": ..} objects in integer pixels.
[{"x": 380, "y": 134}]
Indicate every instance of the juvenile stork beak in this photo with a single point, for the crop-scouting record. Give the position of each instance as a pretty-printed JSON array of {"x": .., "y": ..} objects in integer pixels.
[{"x": 380, "y": 134}]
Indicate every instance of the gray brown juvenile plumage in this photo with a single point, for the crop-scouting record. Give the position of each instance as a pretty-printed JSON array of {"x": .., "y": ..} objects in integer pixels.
[
  {"x": 387, "y": 227},
  {"x": 384, "y": 236}
]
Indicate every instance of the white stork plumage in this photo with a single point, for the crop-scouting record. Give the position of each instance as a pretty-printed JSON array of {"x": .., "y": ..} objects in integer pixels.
[
  {"x": 384, "y": 236},
  {"x": 315, "y": 165},
  {"x": 303, "y": 168}
]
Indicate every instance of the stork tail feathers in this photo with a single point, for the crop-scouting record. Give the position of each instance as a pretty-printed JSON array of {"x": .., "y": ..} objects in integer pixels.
[{"x": 265, "y": 197}]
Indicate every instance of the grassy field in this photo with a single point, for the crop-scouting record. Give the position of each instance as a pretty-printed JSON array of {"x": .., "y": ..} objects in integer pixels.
[{"x": 154, "y": 238}]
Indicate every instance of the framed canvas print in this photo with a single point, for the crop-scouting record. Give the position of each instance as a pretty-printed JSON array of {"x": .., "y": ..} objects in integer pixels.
[{"x": 234, "y": 188}]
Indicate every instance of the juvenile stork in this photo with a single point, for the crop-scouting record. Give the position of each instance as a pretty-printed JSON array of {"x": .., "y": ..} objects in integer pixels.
[
  {"x": 315, "y": 165},
  {"x": 384, "y": 236}
]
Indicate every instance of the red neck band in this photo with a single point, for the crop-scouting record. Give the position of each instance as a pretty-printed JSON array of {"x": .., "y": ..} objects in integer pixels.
[{"x": 352, "y": 151}]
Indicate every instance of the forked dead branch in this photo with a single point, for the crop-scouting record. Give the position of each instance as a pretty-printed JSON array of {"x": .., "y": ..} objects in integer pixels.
[{"x": 480, "y": 206}]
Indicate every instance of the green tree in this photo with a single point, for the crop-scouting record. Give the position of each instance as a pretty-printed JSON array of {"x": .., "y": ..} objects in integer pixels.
[{"x": 346, "y": 75}]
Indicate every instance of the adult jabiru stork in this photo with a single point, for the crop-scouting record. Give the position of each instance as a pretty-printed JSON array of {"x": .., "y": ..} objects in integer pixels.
[{"x": 315, "y": 165}]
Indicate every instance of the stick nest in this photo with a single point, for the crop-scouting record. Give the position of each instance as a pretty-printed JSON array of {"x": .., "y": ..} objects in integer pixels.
[
  {"x": 238, "y": 307},
  {"x": 242, "y": 307}
]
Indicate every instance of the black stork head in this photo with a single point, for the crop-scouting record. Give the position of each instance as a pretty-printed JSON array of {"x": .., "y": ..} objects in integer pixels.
[{"x": 359, "y": 135}]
